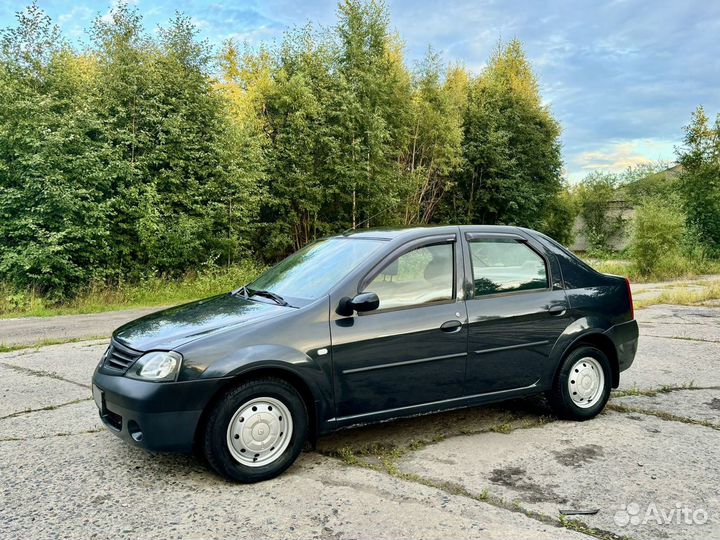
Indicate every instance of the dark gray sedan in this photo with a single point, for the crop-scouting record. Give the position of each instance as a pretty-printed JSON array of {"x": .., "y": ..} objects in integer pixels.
[{"x": 363, "y": 327}]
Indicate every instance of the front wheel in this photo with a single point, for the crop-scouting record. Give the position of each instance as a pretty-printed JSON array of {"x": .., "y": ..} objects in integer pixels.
[
  {"x": 582, "y": 387},
  {"x": 256, "y": 430}
]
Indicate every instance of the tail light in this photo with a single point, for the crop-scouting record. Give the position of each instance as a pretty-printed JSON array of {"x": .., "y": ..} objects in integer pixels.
[{"x": 630, "y": 298}]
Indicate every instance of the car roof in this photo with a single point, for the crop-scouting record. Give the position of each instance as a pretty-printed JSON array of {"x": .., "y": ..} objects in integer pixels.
[{"x": 389, "y": 233}]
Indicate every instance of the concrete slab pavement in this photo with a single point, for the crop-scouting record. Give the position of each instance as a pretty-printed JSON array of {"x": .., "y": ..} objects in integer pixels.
[{"x": 494, "y": 472}]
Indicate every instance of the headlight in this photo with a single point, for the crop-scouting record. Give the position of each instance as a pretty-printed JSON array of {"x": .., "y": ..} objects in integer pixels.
[
  {"x": 104, "y": 356},
  {"x": 156, "y": 366}
]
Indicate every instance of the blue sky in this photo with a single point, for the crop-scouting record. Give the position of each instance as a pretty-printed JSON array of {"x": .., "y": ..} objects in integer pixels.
[{"x": 621, "y": 76}]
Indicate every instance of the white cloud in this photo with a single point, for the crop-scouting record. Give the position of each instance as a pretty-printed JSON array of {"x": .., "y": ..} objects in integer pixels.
[
  {"x": 74, "y": 21},
  {"x": 76, "y": 14},
  {"x": 617, "y": 156}
]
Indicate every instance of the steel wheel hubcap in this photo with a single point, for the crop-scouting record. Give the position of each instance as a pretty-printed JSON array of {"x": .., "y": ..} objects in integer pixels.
[
  {"x": 586, "y": 382},
  {"x": 259, "y": 431}
]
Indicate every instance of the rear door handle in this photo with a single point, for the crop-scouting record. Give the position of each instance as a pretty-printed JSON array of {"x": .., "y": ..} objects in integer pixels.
[
  {"x": 451, "y": 326},
  {"x": 557, "y": 309}
]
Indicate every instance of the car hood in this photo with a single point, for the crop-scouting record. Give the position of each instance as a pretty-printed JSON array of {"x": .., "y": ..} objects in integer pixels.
[{"x": 172, "y": 327}]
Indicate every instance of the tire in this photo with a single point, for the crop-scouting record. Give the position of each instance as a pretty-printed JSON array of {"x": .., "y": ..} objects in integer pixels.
[
  {"x": 582, "y": 386},
  {"x": 256, "y": 430}
]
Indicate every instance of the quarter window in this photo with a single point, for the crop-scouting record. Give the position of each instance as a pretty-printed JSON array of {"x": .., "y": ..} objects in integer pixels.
[
  {"x": 420, "y": 276},
  {"x": 501, "y": 265}
]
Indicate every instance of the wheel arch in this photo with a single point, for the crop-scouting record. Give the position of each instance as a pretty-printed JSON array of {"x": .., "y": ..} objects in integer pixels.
[
  {"x": 600, "y": 341},
  {"x": 260, "y": 372}
]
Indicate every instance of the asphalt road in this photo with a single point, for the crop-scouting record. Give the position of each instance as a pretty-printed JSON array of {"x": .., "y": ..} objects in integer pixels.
[
  {"x": 31, "y": 330},
  {"x": 648, "y": 465}
]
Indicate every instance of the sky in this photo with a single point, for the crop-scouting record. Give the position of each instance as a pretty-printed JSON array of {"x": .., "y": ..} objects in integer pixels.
[{"x": 621, "y": 76}]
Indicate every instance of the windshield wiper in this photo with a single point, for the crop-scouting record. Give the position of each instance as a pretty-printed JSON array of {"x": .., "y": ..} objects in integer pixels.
[
  {"x": 279, "y": 300},
  {"x": 241, "y": 290}
]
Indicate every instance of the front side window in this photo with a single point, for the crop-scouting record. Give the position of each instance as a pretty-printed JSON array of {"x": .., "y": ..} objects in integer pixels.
[
  {"x": 420, "y": 276},
  {"x": 505, "y": 265}
]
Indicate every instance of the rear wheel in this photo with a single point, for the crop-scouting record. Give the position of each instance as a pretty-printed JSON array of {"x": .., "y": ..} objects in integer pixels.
[
  {"x": 256, "y": 430},
  {"x": 582, "y": 387}
]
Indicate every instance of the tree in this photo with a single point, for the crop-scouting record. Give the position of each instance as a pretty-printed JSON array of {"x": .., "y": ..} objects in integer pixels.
[
  {"x": 700, "y": 179},
  {"x": 145, "y": 153},
  {"x": 372, "y": 108},
  {"x": 657, "y": 233},
  {"x": 559, "y": 219},
  {"x": 302, "y": 183},
  {"x": 655, "y": 180},
  {"x": 511, "y": 146},
  {"x": 53, "y": 211},
  {"x": 183, "y": 190},
  {"x": 602, "y": 221},
  {"x": 434, "y": 151}
]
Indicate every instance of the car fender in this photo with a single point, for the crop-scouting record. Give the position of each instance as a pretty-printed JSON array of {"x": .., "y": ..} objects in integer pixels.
[
  {"x": 574, "y": 333},
  {"x": 302, "y": 369}
]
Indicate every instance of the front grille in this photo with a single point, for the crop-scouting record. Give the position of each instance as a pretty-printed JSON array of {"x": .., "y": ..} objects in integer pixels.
[{"x": 120, "y": 357}]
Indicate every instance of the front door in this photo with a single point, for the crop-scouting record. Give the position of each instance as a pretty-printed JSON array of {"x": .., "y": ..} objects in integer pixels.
[
  {"x": 412, "y": 349},
  {"x": 515, "y": 314}
]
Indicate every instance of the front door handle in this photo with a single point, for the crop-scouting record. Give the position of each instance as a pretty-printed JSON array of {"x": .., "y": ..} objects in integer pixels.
[
  {"x": 451, "y": 326},
  {"x": 557, "y": 309}
]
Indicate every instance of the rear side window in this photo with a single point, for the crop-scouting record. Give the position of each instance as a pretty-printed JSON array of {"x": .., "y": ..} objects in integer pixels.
[
  {"x": 420, "y": 276},
  {"x": 506, "y": 265},
  {"x": 575, "y": 272}
]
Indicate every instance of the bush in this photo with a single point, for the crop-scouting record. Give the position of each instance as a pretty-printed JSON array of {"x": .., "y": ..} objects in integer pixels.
[
  {"x": 657, "y": 236},
  {"x": 700, "y": 179},
  {"x": 601, "y": 222},
  {"x": 149, "y": 290},
  {"x": 560, "y": 218}
]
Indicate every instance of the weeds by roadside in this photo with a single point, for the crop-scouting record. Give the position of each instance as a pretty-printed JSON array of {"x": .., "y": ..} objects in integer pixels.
[
  {"x": 683, "y": 296},
  {"x": 383, "y": 456},
  {"x": 152, "y": 291},
  {"x": 46, "y": 342},
  {"x": 672, "y": 267}
]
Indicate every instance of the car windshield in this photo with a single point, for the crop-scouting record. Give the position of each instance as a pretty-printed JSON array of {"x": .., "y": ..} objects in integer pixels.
[{"x": 315, "y": 269}]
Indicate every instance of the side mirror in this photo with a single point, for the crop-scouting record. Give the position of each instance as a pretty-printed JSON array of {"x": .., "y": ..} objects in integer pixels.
[{"x": 367, "y": 301}]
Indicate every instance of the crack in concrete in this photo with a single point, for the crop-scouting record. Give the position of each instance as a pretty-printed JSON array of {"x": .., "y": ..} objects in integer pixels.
[
  {"x": 496, "y": 501},
  {"x": 386, "y": 464},
  {"x": 682, "y": 338},
  {"x": 662, "y": 415},
  {"x": 18, "y": 439},
  {"x": 48, "y": 408},
  {"x": 449, "y": 488},
  {"x": 652, "y": 392},
  {"x": 37, "y": 373}
]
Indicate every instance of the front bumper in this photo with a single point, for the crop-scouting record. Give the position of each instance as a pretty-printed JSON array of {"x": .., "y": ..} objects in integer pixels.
[
  {"x": 625, "y": 338},
  {"x": 160, "y": 417}
]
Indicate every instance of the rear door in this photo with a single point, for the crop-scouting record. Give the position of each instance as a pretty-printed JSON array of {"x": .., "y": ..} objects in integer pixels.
[
  {"x": 412, "y": 349},
  {"x": 517, "y": 309}
]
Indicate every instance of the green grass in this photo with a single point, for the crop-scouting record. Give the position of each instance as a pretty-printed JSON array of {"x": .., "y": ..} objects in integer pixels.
[
  {"x": 671, "y": 269},
  {"x": 151, "y": 292},
  {"x": 45, "y": 342},
  {"x": 673, "y": 266},
  {"x": 683, "y": 296},
  {"x": 620, "y": 267}
]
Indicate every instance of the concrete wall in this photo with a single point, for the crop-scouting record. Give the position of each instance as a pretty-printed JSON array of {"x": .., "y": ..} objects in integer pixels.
[{"x": 618, "y": 209}]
